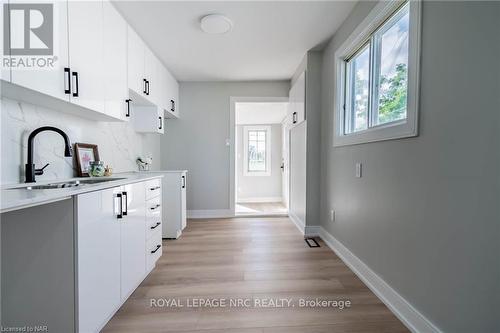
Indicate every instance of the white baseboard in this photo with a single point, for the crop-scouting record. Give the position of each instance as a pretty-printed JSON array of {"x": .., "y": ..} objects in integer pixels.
[
  {"x": 209, "y": 214},
  {"x": 312, "y": 231},
  {"x": 260, "y": 199},
  {"x": 298, "y": 223},
  {"x": 414, "y": 320}
]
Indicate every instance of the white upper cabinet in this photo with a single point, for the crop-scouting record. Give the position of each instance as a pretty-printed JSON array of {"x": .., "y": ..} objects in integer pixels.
[
  {"x": 115, "y": 64},
  {"x": 136, "y": 77},
  {"x": 85, "y": 22},
  {"x": 148, "y": 119},
  {"x": 52, "y": 82},
  {"x": 102, "y": 67},
  {"x": 297, "y": 107}
]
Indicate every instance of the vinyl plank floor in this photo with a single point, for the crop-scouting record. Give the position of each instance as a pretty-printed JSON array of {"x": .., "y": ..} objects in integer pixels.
[{"x": 250, "y": 260}]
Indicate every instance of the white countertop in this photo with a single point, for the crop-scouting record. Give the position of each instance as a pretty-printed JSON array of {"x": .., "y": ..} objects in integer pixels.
[{"x": 16, "y": 196}]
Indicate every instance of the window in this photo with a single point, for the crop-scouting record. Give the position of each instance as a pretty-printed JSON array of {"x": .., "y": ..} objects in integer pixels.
[
  {"x": 377, "y": 76},
  {"x": 257, "y": 150}
]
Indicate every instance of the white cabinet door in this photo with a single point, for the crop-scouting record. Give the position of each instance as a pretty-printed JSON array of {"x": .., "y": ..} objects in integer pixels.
[
  {"x": 297, "y": 100},
  {"x": 135, "y": 60},
  {"x": 52, "y": 82},
  {"x": 148, "y": 119},
  {"x": 98, "y": 234},
  {"x": 183, "y": 200},
  {"x": 115, "y": 63},
  {"x": 152, "y": 66},
  {"x": 172, "y": 95},
  {"x": 85, "y": 22},
  {"x": 133, "y": 238}
]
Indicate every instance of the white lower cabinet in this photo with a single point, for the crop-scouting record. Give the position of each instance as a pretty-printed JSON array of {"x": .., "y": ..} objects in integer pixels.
[
  {"x": 133, "y": 238},
  {"x": 115, "y": 249},
  {"x": 174, "y": 202},
  {"x": 99, "y": 248}
]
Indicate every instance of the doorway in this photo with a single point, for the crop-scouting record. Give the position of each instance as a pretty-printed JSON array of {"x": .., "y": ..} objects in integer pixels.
[{"x": 260, "y": 157}]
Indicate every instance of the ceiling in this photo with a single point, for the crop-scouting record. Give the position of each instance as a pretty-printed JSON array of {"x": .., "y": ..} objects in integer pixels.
[
  {"x": 259, "y": 113},
  {"x": 267, "y": 42}
]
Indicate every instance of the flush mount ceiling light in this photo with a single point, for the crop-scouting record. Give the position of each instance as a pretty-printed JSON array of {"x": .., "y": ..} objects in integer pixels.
[{"x": 215, "y": 24}]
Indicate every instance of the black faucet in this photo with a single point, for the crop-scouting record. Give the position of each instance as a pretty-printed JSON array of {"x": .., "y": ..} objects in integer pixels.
[{"x": 31, "y": 171}]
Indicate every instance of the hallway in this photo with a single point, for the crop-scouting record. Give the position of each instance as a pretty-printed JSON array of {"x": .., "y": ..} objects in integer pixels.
[{"x": 253, "y": 259}]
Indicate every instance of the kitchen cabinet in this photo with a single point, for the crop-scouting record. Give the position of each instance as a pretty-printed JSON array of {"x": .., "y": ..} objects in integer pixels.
[
  {"x": 154, "y": 218},
  {"x": 99, "y": 247},
  {"x": 148, "y": 119},
  {"x": 150, "y": 82},
  {"x": 115, "y": 64},
  {"x": 114, "y": 249},
  {"x": 85, "y": 22},
  {"x": 52, "y": 82},
  {"x": 133, "y": 237},
  {"x": 135, "y": 54},
  {"x": 174, "y": 202},
  {"x": 297, "y": 97}
]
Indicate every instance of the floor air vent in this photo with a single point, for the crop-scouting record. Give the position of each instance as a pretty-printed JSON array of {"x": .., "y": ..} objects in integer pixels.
[{"x": 311, "y": 242}]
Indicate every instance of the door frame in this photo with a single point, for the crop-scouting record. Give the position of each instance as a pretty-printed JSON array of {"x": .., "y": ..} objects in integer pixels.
[{"x": 232, "y": 140}]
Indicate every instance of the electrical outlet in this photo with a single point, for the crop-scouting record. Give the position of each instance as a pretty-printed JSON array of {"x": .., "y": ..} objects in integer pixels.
[
  {"x": 359, "y": 170},
  {"x": 332, "y": 215}
]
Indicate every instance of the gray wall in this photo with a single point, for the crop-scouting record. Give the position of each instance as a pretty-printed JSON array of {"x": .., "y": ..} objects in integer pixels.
[
  {"x": 425, "y": 216},
  {"x": 260, "y": 186},
  {"x": 197, "y": 141}
]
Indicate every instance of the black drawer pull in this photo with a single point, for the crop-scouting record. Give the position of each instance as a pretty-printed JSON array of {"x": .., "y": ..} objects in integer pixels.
[
  {"x": 156, "y": 225},
  {"x": 154, "y": 188},
  {"x": 155, "y": 207},
  {"x": 157, "y": 248}
]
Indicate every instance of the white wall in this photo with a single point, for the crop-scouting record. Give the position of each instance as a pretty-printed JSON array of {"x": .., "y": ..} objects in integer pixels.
[
  {"x": 197, "y": 141},
  {"x": 425, "y": 215},
  {"x": 119, "y": 145},
  {"x": 249, "y": 187}
]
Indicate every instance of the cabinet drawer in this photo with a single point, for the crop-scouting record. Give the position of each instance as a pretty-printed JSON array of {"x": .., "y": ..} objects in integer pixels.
[
  {"x": 153, "y": 208},
  {"x": 154, "y": 250},
  {"x": 153, "y": 188},
  {"x": 153, "y": 225}
]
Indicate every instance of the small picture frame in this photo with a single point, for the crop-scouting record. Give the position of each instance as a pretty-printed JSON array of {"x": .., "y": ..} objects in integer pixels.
[{"x": 85, "y": 153}]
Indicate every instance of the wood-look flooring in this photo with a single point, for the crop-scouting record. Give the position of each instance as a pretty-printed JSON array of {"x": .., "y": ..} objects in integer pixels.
[
  {"x": 260, "y": 208},
  {"x": 250, "y": 259}
]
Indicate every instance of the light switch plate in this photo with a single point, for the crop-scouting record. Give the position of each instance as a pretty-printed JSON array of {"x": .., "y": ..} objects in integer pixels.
[{"x": 359, "y": 171}]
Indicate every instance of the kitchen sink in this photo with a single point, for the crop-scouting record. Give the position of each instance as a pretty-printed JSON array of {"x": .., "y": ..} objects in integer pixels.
[
  {"x": 68, "y": 184},
  {"x": 97, "y": 180}
]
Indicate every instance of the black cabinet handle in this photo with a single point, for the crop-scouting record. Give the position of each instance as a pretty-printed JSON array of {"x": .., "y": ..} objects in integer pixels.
[
  {"x": 75, "y": 75},
  {"x": 147, "y": 87},
  {"x": 183, "y": 181},
  {"x": 144, "y": 84},
  {"x": 155, "y": 207},
  {"x": 157, "y": 248},
  {"x": 154, "y": 188},
  {"x": 124, "y": 195},
  {"x": 156, "y": 225},
  {"x": 161, "y": 122},
  {"x": 128, "y": 100},
  {"x": 120, "y": 213},
  {"x": 172, "y": 105},
  {"x": 294, "y": 117},
  {"x": 67, "y": 80}
]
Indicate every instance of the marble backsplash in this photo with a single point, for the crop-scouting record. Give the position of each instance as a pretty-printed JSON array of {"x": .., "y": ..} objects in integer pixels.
[{"x": 119, "y": 145}]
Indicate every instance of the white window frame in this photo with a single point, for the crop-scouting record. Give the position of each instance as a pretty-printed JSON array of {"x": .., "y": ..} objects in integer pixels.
[
  {"x": 246, "y": 129},
  {"x": 393, "y": 130}
]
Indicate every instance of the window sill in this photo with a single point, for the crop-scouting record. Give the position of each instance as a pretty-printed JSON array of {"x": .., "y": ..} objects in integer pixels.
[
  {"x": 256, "y": 174},
  {"x": 393, "y": 131}
]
